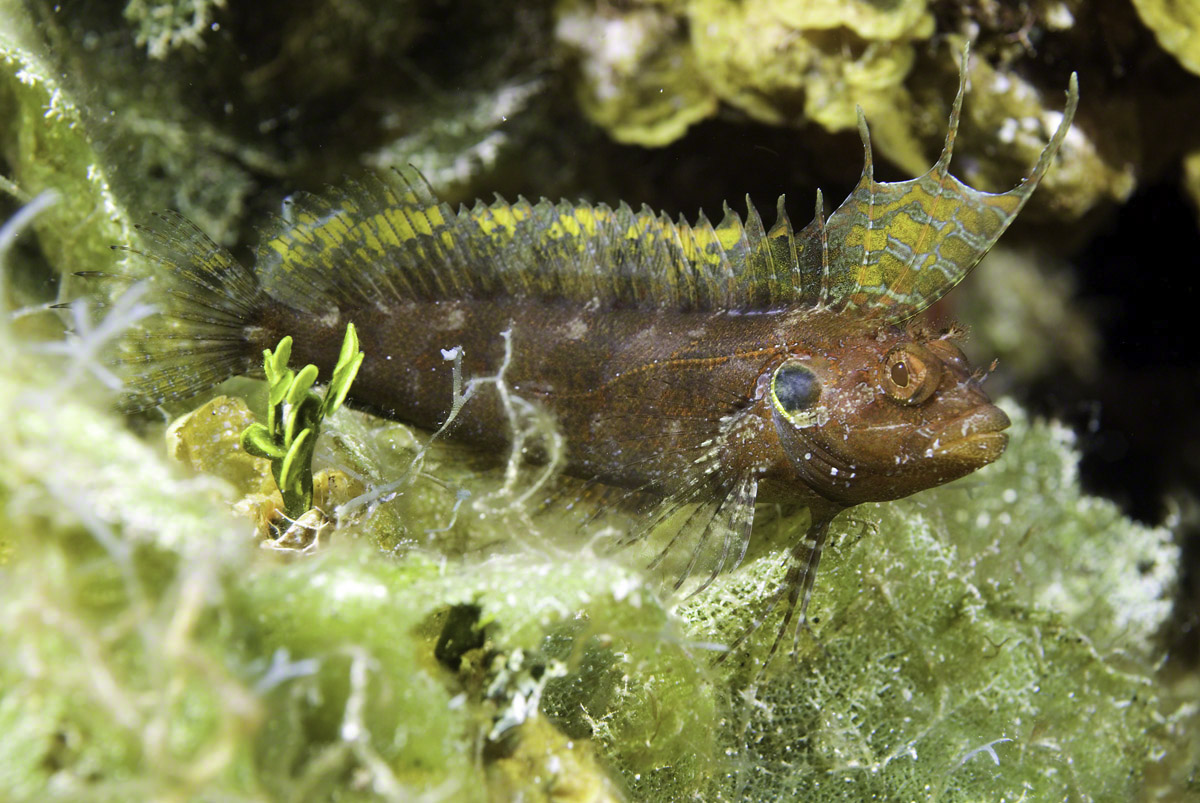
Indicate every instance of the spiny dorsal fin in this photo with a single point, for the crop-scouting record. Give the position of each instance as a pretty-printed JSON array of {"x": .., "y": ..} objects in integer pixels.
[
  {"x": 812, "y": 257},
  {"x": 896, "y": 248},
  {"x": 890, "y": 250}
]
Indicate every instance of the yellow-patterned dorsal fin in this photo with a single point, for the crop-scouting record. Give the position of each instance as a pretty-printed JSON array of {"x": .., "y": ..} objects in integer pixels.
[
  {"x": 896, "y": 248},
  {"x": 889, "y": 251}
]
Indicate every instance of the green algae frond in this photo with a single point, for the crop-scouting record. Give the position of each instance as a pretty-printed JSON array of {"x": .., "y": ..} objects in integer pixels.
[{"x": 294, "y": 416}]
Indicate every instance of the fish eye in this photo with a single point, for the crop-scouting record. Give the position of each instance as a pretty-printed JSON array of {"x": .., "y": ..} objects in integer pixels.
[
  {"x": 795, "y": 391},
  {"x": 911, "y": 373}
]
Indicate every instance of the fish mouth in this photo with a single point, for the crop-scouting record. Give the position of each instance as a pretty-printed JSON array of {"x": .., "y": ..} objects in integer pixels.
[{"x": 976, "y": 438}]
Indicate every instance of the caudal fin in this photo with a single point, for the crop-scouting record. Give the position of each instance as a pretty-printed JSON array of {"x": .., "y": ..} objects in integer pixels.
[{"x": 207, "y": 308}]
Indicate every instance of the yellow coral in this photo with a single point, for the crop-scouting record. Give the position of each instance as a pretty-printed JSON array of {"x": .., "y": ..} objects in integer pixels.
[
  {"x": 632, "y": 64},
  {"x": 650, "y": 72},
  {"x": 1177, "y": 27},
  {"x": 907, "y": 19}
]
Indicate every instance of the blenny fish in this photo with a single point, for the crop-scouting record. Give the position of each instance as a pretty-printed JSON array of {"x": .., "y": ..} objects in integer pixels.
[{"x": 712, "y": 366}]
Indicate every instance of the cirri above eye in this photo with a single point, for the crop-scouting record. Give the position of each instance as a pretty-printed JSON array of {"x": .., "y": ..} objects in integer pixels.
[
  {"x": 795, "y": 391},
  {"x": 911, "y": 373}
]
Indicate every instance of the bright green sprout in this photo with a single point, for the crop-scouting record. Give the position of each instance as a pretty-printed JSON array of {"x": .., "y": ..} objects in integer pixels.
[{"x": 294, "y": 416}]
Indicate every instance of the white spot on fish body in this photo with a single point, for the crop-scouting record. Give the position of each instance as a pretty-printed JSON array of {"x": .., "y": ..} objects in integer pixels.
[
  {"x": 575, "y": 328},
  {"x": 453, "y": 318}
]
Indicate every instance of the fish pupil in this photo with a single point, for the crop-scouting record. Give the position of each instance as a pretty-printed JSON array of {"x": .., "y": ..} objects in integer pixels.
[
  {"x": 796, "y": 388},
  {"x": 900, "y": 374}
]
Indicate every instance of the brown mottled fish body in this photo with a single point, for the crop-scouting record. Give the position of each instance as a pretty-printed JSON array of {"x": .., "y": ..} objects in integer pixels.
[
  {"x": 711, "y": 366},
  {"x": 641, "y": 395},
  {"x": 634, "y": 391}
]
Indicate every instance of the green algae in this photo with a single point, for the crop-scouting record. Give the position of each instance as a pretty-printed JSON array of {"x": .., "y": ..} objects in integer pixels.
[
  {"x": 152, "y": 650},
  {"x": 1006, "y": 611},
  {"x": 1006, "y": 614},
  {"x": 1176, "y": 26},
  {"x": 47, "y": 145}
]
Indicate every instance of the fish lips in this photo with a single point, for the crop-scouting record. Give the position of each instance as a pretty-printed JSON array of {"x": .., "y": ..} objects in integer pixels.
[{"x": 971, "y": 440}]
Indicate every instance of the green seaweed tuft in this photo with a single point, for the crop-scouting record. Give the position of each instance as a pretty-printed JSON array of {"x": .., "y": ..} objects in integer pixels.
[{"x": 294, "y": 416}]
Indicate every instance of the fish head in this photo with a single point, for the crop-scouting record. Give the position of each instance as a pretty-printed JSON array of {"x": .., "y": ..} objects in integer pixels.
[{"x": 881, "y": 415}]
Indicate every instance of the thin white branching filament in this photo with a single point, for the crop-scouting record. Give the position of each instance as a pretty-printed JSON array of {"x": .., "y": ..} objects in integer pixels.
[{"x": 529, "y": 426}]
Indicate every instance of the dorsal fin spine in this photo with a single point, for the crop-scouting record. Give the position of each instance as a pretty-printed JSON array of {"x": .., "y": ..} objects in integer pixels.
[
  {"x": 759, "y": 273},
  {"x": 823, "y": 244},
  {"x": 895, "y": 248},
  {"x": 942, "y": 167},
  {"x": 788, "y": 274}
]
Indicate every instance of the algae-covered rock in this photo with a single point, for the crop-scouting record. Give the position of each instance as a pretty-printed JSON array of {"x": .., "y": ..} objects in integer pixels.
[
  {"x": 1025, "y": 313},
  {"x": 648, "y": 71},
  {"x": 1177, "y": 27},
  {"x": 45, "y": 144},
  {"x": 149, "y": 644},
  {"x": 353, "y": 601},
  {"x": 638, "y": 72},
  {"x": 63, "y": 132},
  {"x": 984, "y": 640},
  {"x": 197, "y": 105},
  {"x": 1017, "y": 119},
  {"x": 766, "y": 56}
]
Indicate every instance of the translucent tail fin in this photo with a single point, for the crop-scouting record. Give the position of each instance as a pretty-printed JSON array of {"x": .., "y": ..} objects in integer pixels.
[{"x": 207, "y": 307}]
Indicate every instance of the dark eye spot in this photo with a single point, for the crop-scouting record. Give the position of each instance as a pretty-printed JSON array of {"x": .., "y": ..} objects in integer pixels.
[
  {"x": 900, "y": 374},
  {"x": 795, "y": 387}
]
